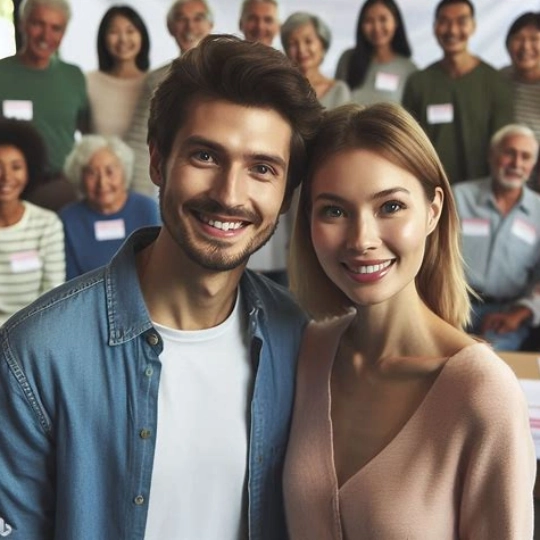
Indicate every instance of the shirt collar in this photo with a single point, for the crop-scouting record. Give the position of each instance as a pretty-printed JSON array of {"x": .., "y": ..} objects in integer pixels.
[{"x": 486, "y": 197}]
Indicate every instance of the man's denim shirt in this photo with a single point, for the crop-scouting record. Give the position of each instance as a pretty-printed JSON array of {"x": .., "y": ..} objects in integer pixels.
[{"x": 78, "y": 399}]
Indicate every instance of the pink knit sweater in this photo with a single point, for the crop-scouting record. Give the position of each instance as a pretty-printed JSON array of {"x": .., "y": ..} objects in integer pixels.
[{"x": 462, "y": 467}]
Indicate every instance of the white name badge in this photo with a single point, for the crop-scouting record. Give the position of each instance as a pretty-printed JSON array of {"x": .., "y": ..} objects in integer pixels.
[
  {"x": 25, "y": 261},
  {"x": 18, "y": 108},
  {"x": 475, "y": 227},
  {"x": 525, "y": 231},
  {"x": 386, "y": 81},
  {"x": 440, "y": 114},
  {"x": 113, "y": 229}
]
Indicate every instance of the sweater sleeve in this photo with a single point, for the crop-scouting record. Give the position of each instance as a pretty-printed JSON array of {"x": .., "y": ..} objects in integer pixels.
[
  {"x": 497, "y": 496},
  {"x": 52, "y": 252}
]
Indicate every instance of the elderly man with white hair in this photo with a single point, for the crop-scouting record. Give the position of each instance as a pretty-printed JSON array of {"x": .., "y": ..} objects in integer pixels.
[
  {"x": 38, "y": 86},
  {"x": 500, "y": 223},
  {"x": 188, "y": 22}
]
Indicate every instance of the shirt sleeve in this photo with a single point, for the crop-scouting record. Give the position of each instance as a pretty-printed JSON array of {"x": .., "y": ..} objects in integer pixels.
[
  {"x": 26, "y": 457},
  {"x": 497, "y": 496}
]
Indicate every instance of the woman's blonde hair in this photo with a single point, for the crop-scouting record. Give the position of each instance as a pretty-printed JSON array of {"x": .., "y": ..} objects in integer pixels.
[{"x": 389, "y": 131}]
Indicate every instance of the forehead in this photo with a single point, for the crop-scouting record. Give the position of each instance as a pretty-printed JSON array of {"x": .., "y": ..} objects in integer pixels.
[
  {"x": 9, "y": 151},
  {"x": 304, "y": 30},
  {"x": 103, "y": 155},
  {"x": 260, "y": 9},
  {"x": 527, "y": 31},
  {"x": 48, "y": 14},
  {"x": 358, "y": 173},
  {"x": 236, "y": 128},
  {"x": 454, "y": 11},
  {"x": 519, "y": 142},
  {"x": 189, "y": 8},
  {"x": 378, "y": 10}
]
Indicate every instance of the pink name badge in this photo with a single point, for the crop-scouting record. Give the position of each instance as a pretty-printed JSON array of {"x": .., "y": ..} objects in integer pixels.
[
  {"x": 475, "y": 227},
  {"x": 25, "y": 261},
  {"x": 524, "y": 231},
  {"x": 113, "y": 229},
  {"x": 18, "y": 108},
  {"x": 440, "y": 114},
  {"x": 388, "y": 82}
]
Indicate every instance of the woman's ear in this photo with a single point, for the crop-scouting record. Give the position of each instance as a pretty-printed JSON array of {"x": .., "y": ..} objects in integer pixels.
[{"x": 435, "y": 209}]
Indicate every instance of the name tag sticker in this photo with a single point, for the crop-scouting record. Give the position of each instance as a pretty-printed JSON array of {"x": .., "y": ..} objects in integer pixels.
[
  {"x": 440, "y": 114},
  {"x": 18, "y": 108},
  {"x": 386, "y": 81},
  {"x": 475, "y": 227},
  {"x": 25, "y": 261},
  {"x": 113, "y": 229},
  {"x": 524, "y": 231}
]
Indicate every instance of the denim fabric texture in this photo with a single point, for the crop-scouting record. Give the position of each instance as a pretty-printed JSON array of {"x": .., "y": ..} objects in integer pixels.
[{"x": 79, "y": 378}]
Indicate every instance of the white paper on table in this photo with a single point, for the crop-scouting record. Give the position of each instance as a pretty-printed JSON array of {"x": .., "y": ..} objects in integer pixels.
[{"x": 531, "y": 389}]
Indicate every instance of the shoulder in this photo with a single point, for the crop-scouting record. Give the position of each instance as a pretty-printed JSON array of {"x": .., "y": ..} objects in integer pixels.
[
  {"x": 154, "y": 77},
  {"x": 10, "y": 62},
  {"x": 486, "y": 385},
  {"x": 41, "y": 214},
  {"x": 141, "y": 201},
  {"x": 72, "y": 210},
  {"x": 471, "y": 187},
  {"x": 405, "y": 64},
  {"x": 346, "y": 55}
]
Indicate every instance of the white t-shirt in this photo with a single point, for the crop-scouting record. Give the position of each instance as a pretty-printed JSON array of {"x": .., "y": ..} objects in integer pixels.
[{"x": 199, "y": 478}]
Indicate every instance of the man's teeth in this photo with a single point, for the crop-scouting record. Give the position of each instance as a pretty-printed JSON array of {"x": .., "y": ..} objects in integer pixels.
[
  {"x": 225, "y": 225},
  {"x": 372, "y": 268}
]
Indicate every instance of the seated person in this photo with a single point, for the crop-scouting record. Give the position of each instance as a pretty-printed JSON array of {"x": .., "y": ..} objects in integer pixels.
[
  {"x": 95, "y": 227},
  {"x": 31, "y": 238},
  {"x": 500, "y": 225}
]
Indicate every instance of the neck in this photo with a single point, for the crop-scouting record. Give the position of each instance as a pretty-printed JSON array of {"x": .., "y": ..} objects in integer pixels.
[
  {"x": 528, "y": 75},
  {"x": 179, "y": 293},
  {"x": 31, "y": 61},
  {"x": 457, "y": 65},
  {"x": 505, "y": 198},
  {"x": 125, "y": 70},
  {"x": 11, "y": 213},
  {"x": 384, "y": 54}
]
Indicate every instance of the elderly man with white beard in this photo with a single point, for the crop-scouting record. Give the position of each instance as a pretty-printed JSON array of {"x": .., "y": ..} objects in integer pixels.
[{"x": 500, "y": 223}]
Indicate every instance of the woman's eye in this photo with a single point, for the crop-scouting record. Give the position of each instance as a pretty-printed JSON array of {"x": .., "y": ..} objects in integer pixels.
[
  {"x": 332, "y": 212},
  {"x": 391, "y": 207}
]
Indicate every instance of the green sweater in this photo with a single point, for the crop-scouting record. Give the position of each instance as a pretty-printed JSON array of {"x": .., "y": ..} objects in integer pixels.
[
  {"x": 482, "y": 103},
  {"x": 59, "y": 102}
]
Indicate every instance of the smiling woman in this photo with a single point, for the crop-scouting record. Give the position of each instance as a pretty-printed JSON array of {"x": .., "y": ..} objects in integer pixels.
[
  {"x": 95, "y": 227},
  {"x": 31, "y": 238},
  {"x": 123, "y": 47},
  {"x": 391, "y": 394}
]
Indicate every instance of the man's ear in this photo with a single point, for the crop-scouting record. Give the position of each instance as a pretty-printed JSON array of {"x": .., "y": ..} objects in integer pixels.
[{"x": 155, "y": 165}]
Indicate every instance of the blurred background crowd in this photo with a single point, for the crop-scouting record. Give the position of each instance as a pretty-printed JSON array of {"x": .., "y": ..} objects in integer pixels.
[{"x": 75, "y": 92}]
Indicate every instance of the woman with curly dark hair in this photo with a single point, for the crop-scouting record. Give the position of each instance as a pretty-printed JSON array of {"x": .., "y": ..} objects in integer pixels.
[
  {"x": 123, "y": 47},
  {"x": 378, "y": 66},
  {"x": 31, "y": 238}
]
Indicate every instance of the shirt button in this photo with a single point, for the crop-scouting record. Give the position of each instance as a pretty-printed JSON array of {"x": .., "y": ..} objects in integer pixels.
[
  {"x": 145, "y": 434},
  {"x": 138, "y": 500},
  {"x": 148, "y": 371},
  {"x": 152, "y": 339}
]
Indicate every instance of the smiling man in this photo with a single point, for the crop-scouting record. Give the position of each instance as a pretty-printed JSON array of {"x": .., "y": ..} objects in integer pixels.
[
  {"x": 151, "y": 399},
  {"x": 500, "y": 224},
  {"x": 36, "y": 85},
  {"x": 259, "y": 20},
  {"x": 460, "y": 101},
  {"x": 188, "y": 22}
]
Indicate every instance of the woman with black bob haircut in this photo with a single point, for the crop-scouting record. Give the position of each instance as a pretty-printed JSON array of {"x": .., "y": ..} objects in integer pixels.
[
  {"x": 377, "y": 68},
  {"x": 123, "y": 47}
]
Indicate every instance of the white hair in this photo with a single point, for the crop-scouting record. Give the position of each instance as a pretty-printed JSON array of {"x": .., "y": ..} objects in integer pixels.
[
  {"x": 27, "y": 6},
  {"x": 177, "y": 3},
  {"x": 509, "y": 130},
  {"x": 83, "y": 151}
]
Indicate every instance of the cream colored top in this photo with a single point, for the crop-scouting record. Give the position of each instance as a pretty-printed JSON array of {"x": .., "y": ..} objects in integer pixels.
[
  {"x": 112, "y": 102},
  {"x": 462, "y": 467}
]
